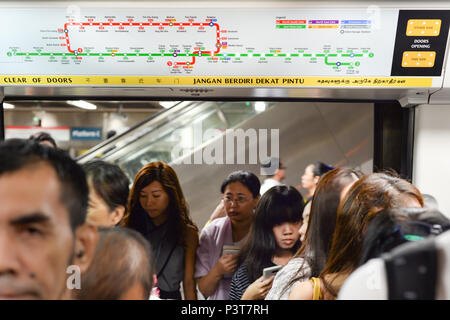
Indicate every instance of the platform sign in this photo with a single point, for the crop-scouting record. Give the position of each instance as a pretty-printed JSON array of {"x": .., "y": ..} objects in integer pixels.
[
  {"x": 85, "y": 133},
  {"x": 198, "y": 47}
]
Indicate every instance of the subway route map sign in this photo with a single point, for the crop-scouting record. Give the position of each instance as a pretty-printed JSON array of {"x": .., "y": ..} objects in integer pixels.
[{"x": 221, "y": 47}]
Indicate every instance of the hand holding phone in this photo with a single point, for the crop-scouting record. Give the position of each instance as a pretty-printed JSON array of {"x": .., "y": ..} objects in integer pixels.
[
  {"x": 227, "y": 265},
  {"x": 268, "y": 272},
  {"x": 258, "y": 289}
]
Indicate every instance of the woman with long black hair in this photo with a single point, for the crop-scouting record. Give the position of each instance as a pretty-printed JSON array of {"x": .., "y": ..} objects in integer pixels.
[
  {"x": 318, "y": 232},
  {"x": 157, "y": 209},
  {"x": 273, "y": 240}
]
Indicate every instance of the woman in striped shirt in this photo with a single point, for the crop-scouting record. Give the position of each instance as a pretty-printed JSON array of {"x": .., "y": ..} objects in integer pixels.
[{"x": 273, "y": 240}]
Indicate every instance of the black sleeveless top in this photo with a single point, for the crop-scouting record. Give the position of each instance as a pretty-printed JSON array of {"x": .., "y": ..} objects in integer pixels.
[{"x": 168, "y": 254}]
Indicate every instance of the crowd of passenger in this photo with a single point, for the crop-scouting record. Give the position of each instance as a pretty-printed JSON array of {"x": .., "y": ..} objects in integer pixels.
[{"x": 80, "y": 232}]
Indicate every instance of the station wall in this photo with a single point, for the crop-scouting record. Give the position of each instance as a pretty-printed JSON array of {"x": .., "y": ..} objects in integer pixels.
[
  {"x": 107, "y": 120},
  {"x": 431, "y": 162}
]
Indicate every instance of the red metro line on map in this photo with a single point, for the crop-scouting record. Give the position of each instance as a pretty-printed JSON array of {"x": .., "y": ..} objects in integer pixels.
[{"x": 140, "y": 25}]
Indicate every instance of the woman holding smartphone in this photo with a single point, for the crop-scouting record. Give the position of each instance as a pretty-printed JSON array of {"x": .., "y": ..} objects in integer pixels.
[
  {"x": 273, "y": 241},
  {"x": 216, "y": 262}
]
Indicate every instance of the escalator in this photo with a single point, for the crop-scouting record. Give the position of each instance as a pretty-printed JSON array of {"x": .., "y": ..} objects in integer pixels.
[
  {"x": 336, "y": 133},
  {"x": 181, "y": 127}
]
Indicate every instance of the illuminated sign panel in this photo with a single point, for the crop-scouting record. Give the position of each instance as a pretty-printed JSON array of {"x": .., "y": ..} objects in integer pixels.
[{"x": 222, "y": 47}]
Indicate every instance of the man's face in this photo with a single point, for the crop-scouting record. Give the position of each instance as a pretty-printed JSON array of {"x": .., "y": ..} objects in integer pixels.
[{"x": 36, "y": 240}]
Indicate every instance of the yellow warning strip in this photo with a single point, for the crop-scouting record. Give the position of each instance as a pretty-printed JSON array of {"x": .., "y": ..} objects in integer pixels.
[{"x": 106, "y": 81}]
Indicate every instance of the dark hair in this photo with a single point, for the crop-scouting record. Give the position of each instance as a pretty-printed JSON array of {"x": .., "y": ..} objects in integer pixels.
[
  {"x": 110, "y": 133},
  {"x": 109, "y": 181},
  {"x": 16, "y": 154},
  {"x": 321, "y": 168},
  {"x": 278, "y": 205},
  {"x": 178, "y": 214},
  {"x": 395, "y": 226},
  {"x": 322, "y": 220},
  {"x": 122, "y": 258},
  {"x": 322, "y": 217},
  {"x": 365, "y": 199},
  {"x": 271, "y": 165},
  {"x": 247, "y": 178},
  {"x": 43, "y": 136}
]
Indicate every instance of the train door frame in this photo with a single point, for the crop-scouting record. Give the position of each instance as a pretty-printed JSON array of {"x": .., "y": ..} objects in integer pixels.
[
  {"x": 393, "y": 143},
  {"x": 2, "y": 116},
  {"x": 394, "y": 138}
]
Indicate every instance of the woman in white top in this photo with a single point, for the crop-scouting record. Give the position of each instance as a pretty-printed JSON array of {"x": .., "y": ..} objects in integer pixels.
[{"x": 311, "y": 177}]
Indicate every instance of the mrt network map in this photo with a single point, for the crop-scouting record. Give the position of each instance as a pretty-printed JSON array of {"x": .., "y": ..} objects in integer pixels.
[{"x": 197, "y": 42}]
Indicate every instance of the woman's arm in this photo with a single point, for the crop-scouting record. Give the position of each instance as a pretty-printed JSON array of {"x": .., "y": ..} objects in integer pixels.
[
  {"x": 219, "y": 211},
  {"x": 208, "y": 283},
  {"x": 302, "y": 291},
  {"x": 190, "y": 292},
  {"x": 258, "y": 290}
]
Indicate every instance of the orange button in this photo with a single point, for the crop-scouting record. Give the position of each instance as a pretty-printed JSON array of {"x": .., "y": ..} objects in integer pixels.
[
  {"x": 424, "y": 27},
  {"x": 418, "y": 59}
]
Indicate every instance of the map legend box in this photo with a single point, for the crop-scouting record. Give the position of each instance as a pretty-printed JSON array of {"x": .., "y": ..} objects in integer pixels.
[{"x": 323, "y": 26}]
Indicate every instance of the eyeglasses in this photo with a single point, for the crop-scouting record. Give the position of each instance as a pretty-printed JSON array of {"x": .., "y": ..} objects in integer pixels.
[
  {"x": 239, "y": 200},
  {"x": 416, "y": 230}
]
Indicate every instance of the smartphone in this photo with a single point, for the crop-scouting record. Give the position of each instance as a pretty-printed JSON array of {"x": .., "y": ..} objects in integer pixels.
[
  {"x": 230, "y": 249},
  {"x": 268, "y": 272}
]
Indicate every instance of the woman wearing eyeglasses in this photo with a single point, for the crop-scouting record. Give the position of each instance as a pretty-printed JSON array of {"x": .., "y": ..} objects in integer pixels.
[{"x": 215, "y": 266}]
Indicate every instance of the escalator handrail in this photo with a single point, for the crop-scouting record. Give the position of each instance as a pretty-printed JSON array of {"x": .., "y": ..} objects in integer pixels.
[
  {"x": 99, "y": 146},
  {"x": 185, "y": 109}
]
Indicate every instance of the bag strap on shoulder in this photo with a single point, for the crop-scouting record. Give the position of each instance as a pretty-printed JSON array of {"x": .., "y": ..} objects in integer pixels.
[{"x": 167, "y": 260}]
